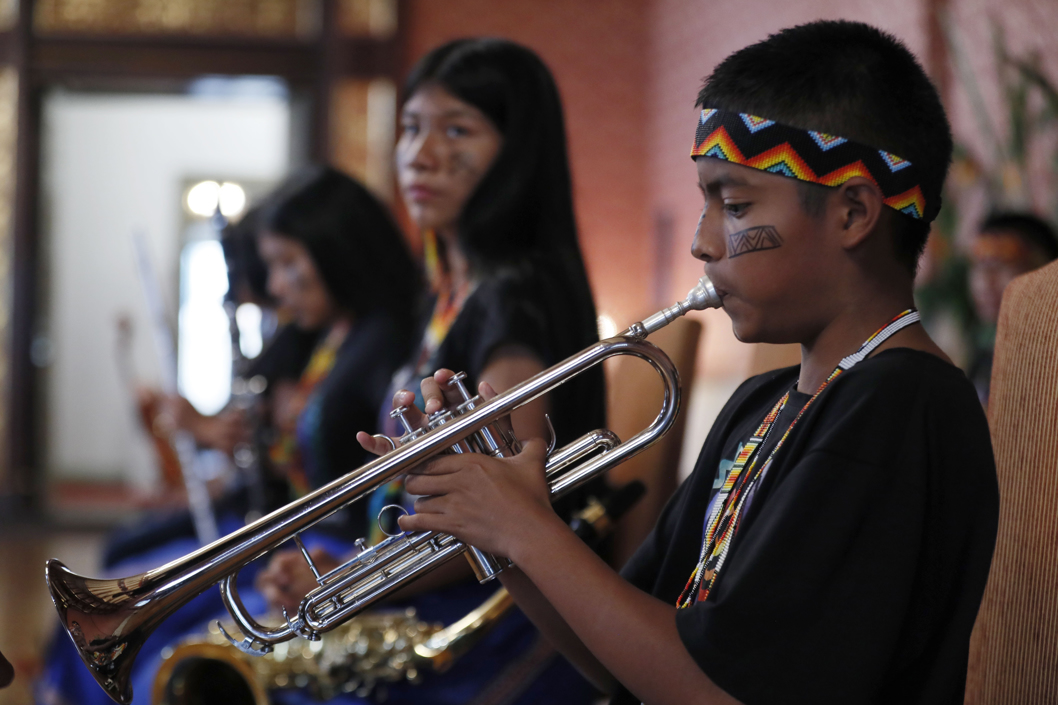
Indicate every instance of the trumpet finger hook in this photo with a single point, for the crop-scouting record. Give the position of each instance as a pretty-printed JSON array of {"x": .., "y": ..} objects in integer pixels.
[
  {"x": 554, "y": 438},
  {"x": 381, "y": 526},
  {"x": 387, "y": 439}
]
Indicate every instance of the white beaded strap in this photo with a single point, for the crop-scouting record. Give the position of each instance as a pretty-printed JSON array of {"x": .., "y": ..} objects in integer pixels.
[{"x": 880, "y": 338}]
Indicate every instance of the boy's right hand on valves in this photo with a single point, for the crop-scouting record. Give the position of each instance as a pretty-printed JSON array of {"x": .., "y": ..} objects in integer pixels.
[
  {"x": 487, "y": 502},
  {"x": 490, "y": 503}
]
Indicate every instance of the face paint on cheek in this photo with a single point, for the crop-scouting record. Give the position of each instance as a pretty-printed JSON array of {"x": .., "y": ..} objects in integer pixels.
[
  {"x": 463, "y": 164},
  {"x": 299, "y": 279},
  {"x": 756, "y": 239}
]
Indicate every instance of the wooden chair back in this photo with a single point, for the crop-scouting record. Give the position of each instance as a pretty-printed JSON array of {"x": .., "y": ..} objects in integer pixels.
[
  {"x": 635, "y": 393},
  {"x": 1014, "y": 648}
]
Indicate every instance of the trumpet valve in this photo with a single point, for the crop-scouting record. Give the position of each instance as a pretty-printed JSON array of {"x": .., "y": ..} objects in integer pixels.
[
  {"x": 486, "y": 566},
  {"x": 410, "y": 434},
  {"x": 457, "y": 381},
  {"x": 440, "y": 418},
  {"x": 399, "y": 414}
]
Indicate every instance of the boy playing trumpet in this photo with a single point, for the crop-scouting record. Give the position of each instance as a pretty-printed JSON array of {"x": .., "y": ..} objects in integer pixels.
[{"x": 833, "y": 542}]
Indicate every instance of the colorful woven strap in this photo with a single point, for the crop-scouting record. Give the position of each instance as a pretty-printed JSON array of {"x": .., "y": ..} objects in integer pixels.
[
  {"x": 285, "y": 453},
  {"x": 811, "y": 156},
  {"x": 724, "y": 519}
]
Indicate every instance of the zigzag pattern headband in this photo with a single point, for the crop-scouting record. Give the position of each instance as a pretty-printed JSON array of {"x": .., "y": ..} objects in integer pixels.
[{"x": 808, "y": 155}]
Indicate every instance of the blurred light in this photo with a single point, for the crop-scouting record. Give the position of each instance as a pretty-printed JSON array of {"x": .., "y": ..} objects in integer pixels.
[
  {"x": 202, "y": 198},
  {"x": 41, "y": 351},
  {"x": 232, "y": 199},
  {"x": 248, "y": 319},
  {"x": 249, "y": 88},
  {"x": 607, "y": 327},
  {"x": 204, "y": 348}
]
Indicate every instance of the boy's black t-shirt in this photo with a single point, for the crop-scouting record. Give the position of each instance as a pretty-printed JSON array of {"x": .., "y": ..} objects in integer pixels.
[{"x": 859, "y": 567}]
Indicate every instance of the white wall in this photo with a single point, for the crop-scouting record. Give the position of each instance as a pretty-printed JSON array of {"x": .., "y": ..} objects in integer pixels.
[{"x": 114, "y": 165}]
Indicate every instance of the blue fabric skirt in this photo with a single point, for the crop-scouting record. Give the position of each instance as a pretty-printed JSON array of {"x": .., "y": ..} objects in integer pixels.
[{"x": 512, "y": 665}]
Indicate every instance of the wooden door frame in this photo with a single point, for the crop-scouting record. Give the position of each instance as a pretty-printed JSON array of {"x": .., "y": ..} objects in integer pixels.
[{"x": 127, "y": 62}]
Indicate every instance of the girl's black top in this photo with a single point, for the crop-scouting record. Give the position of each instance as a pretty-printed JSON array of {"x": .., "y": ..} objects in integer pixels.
[{"x": 512, "y": 308}]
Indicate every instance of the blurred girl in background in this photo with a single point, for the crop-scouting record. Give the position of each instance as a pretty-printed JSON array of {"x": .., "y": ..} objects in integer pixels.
[{"x": 333, "y": 255}]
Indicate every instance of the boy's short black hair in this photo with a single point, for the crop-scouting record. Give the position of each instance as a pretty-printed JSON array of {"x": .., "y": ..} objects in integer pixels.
[
  {"x": 847, "y": 79},
  {"x": 1035, "y": 231}
]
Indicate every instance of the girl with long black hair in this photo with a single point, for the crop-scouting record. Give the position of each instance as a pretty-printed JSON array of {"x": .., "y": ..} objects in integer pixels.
[
  {"x": 333, "y": 253},
  {"x": 484, "y": 174}
]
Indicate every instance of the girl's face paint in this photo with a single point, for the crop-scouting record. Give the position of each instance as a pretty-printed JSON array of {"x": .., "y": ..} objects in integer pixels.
[
  {"x": 444, "y": 150},
  {"x": 295, "y": 282}
]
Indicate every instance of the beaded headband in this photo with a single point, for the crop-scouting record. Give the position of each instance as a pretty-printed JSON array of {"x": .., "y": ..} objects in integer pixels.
[{"x": 810, "y": 156}]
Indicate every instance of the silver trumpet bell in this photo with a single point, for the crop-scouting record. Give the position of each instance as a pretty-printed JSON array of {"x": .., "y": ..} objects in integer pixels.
[{"x": 110, "y": 619}]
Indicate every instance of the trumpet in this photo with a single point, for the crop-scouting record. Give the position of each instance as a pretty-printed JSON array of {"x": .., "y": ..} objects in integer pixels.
[
  {"x": 110, "y": 619},
  {"x": 365, "y": 655}
]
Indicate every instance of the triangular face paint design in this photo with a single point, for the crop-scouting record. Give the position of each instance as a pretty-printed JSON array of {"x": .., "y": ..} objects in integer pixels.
[{"x": 764, "y": 237}]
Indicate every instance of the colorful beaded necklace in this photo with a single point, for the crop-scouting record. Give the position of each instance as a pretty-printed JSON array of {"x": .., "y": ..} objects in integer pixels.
[
  {"x": 285, "y": 452},
  {"x": 724, "y": 520},
  {"x": 450, "y": 300}
]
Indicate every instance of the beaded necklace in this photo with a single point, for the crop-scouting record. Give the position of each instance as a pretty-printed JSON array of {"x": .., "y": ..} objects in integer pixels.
[
  {"x": 724, "y": 519},
  {"x": 450, "y": 300},
  {"x": 285, "y": 453}
]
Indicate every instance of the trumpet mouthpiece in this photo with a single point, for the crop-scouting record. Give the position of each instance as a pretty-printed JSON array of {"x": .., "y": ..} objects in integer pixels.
[{"x": 701, "y": 297}]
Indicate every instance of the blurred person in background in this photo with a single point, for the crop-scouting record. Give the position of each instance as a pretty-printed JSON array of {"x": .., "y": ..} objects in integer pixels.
[
  {"x": 1006, "y": 245},
  {"x": 484, "y": 174},
  {"x": 285, "y": 353},
  {"x": 333, "y": 256}
]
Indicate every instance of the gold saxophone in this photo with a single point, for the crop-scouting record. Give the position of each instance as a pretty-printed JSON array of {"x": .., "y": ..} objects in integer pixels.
[{"x": 361, "y": 656}]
